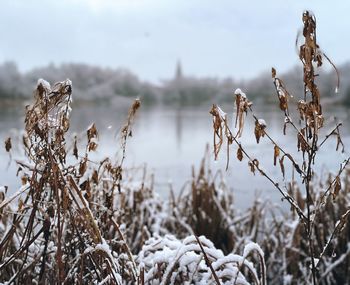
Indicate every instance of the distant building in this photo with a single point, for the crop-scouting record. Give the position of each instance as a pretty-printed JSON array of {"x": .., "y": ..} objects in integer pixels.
[{"x": 178, "y": 71}]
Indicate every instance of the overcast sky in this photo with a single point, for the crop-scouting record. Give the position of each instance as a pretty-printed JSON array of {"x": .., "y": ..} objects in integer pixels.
[{"x": 238, "y": 39}]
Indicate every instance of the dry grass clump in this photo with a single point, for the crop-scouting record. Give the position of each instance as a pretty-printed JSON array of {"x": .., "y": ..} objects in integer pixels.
[
  {"x": 206, "y": 207},
  {"x": 140, "y": 212},
  {"x": 64, "y": 218},
  {"x": 78, "y": 221}
]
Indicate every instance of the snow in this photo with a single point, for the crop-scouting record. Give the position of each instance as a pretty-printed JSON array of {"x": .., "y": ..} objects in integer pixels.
[
  {"x": 22, "y": 189},
  {"x": 262, "y": 122},
  {"x": 104, "y": 247},
  {"x": 252, "y": 246},
  {"x": 221, "y": 112},
  {"x": 187, "y": 257},
  {"x": 239, "y": 92},
  {"x": 44, "y": 84},
  {"x": 287, "y": 279}
]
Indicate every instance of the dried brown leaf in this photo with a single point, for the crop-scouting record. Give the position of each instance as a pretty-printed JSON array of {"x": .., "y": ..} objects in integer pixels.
[
  {"x": 251, "y": 166},
  {"x": 92, "y": 132},
  {"x": 273, "y": 72},
  {"x": 239, "y": 154},
  {"x": 337, "y": 187},
  {"x": 92, "y": 146},
  {"x": 75, "y": 148},
  {"x": 259, "y": 130},
  {"x": 24, "y": 179},
  {"x": 94, "y": 177},
  {"x": 8, "y": 144},
  {"x": 276, "y": 153},
  {"x": 282, "y": 166},
  {"x": 83, "y": 166}
]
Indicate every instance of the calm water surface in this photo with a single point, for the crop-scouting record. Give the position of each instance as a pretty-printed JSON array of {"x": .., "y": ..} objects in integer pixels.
[{"x": 172, "y": 140}]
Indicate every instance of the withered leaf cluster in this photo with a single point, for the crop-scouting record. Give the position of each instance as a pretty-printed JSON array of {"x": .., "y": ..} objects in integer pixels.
[
  {"x": 253, "y": 165},
  {"x": 302, "y": 143},
  {"x": 310, "y": 53},
  {"x": 283, "y": 95},
  {"x": 65, "y": 211},
  {"x": 242, "y": 106},
  {"x": 47, "y": 120},
  {"x": 92, "y": 136},
  {"x": 221, "y": 129}
]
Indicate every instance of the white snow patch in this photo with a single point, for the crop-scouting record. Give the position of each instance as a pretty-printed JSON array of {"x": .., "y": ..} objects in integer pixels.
[{"x": 262, "y": 122}]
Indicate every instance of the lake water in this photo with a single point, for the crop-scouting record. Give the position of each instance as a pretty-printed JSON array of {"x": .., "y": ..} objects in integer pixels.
[{"x": 171, "y": 140}]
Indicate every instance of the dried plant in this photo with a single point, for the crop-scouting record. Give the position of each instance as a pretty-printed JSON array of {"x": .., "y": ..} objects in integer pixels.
[
  {"x": 70, "y": 226},
  {"x": 57, "y": 233},
  {"x": 308, "y": 143},
  {"x": 95, "y": 222}
]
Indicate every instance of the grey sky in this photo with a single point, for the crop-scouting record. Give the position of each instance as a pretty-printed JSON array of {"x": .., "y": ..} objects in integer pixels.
[{"x": 212, "y": 38}]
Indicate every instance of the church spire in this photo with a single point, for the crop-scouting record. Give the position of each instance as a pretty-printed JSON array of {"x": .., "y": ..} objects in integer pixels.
[{"x": 178, "y": 74}]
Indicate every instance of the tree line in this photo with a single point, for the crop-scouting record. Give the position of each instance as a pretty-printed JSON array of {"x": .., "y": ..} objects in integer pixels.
[{"x": 92, "y": 83}]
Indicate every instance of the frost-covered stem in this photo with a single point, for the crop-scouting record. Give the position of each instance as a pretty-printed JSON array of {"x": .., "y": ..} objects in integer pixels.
[
  {"x": 127, "y": 249},
  {"x": 55, "y": 169},
  {"x": 338, "y": 227},
  {"x": 342, "y": 168},
  {"x": 92, "y": 260},
  {"x": 275, "y": 184},
  {"x": 19, "y": 251},
  {"x": 296, "y": 165},
  {"x": 309, "y": 235},
  {"x": 331, "y": 267},
  {"x": 331, "y": 133},
  {"x": 309, "y": 232},
  {"x": 207, "y": 261}
]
